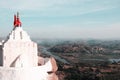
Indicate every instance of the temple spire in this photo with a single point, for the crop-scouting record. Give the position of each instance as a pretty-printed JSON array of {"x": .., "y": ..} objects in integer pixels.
[
  {"x": 17, "y": 14},
  {"x": 17, "y": 22}
]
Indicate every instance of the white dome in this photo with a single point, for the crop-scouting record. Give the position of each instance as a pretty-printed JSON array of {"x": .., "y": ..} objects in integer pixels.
[{"x": 18, "y": 34}]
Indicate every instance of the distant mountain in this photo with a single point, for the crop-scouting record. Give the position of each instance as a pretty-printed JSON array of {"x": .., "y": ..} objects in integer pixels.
[{"x": 89, "y": 47}]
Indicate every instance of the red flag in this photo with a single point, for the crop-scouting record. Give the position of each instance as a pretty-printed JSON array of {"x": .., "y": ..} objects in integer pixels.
[{"x": 17, "y": 22}]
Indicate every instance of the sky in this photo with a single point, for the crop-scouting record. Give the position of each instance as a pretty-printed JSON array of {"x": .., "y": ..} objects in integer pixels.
[{"x": 63, "y": 19}]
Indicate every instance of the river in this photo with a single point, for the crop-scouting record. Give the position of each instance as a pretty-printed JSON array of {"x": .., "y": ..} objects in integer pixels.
[{"x": 45, "y": 51}]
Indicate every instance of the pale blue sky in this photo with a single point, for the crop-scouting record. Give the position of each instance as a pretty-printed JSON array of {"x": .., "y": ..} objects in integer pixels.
[{"x": 99, "y": 19}]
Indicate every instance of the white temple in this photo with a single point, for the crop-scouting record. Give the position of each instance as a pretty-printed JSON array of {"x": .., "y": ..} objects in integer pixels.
[{"x": 19, "y": 59}]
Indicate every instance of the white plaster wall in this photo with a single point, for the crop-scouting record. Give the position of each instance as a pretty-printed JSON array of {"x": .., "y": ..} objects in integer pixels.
[
  {"x": 29, "y": 73},
  {"x": 35, "y": 73},
  {"x": 12, "y": 50},
  {"x": 19, "y": 50},
  {"x": 18, "y": 44}
]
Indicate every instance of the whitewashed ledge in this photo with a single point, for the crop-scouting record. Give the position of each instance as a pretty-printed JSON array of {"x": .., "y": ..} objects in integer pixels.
[{"x": 32, "y": 73}]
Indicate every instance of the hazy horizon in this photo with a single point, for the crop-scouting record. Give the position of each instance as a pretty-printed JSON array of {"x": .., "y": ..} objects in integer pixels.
[{"x": 63, "y": 19}]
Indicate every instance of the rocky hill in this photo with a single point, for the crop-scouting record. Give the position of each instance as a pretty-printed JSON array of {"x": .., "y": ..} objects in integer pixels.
[
  {"x": 88, "y": 60},
  {"x": 80, "y": 48}
]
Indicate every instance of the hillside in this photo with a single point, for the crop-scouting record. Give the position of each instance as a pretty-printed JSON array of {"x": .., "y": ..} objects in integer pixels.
[
  {"x": 88, "y": 47},
  {"x": 88, "y": 60}
]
